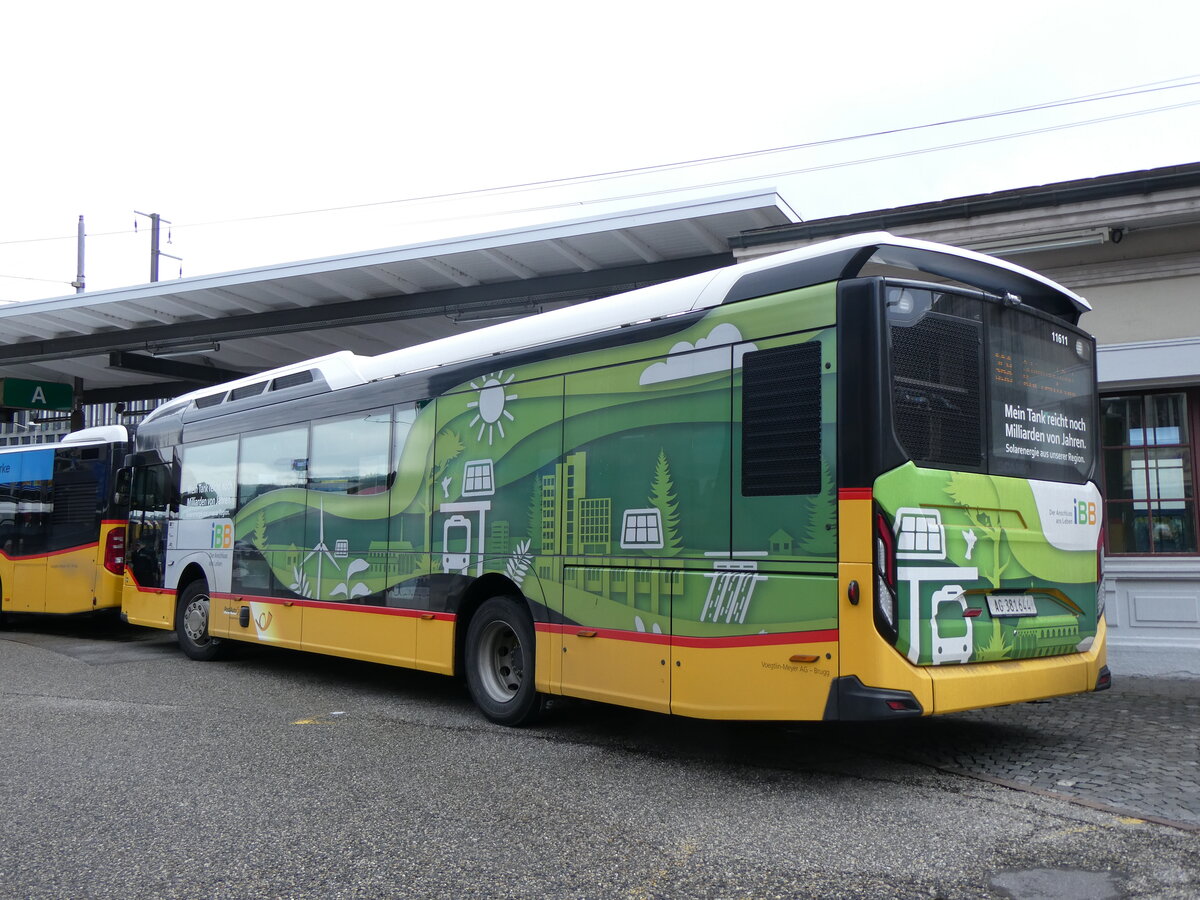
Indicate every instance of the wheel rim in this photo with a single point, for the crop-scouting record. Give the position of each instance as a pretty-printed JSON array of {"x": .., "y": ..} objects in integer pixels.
[
  {"x": 195, "y": 620},
  {"x": 501, "y": 662}
]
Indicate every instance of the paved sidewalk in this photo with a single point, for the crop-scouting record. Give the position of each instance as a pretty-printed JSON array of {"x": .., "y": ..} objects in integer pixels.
[{"x": 1134, "y": 748}]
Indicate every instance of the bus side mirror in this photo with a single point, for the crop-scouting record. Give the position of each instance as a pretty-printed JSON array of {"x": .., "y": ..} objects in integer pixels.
[{"x": 121, "y": 491}]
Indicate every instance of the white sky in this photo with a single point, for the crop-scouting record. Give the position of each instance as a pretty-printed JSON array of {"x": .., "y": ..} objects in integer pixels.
[{"x": 214, "y": 111}]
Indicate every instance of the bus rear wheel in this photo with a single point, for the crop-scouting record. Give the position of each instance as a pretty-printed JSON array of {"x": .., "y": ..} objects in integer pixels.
[
  {"x": 500, "y": 657},
  {"x": 191, "y": 623}
]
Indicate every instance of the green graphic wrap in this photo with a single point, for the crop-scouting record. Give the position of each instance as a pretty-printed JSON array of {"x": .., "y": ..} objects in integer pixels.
[
  {"x": 607, "y": 485},
  {"x": 961, "y": 537}
]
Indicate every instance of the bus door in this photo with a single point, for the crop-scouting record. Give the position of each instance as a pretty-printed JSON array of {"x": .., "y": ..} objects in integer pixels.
[{"x": 144, "y": 600}]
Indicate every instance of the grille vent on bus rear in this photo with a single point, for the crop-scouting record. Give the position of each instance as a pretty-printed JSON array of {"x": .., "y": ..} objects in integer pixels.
[
  {"x": 937, "y": 367},
  {"x": 781, "y": 421}
]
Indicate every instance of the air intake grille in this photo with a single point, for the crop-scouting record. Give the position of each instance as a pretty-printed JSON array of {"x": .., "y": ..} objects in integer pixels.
[
  {"x": 781, "y": 421},
  {"x": 296, "y": 378},
  {"x": 249, "y": 390},
  {"x": 937, "y": 369}
]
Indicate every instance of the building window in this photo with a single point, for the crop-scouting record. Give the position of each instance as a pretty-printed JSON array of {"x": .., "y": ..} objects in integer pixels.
[
  {"x": 642, "y": 529},
  {"x": 1149, "y": 467}
]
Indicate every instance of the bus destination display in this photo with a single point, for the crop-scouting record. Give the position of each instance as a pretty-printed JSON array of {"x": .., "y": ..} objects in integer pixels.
[{"x": 1041, "y": 398}]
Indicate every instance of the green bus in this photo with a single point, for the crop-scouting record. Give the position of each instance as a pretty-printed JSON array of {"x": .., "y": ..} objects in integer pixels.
[{"x": 851, "y": 481}]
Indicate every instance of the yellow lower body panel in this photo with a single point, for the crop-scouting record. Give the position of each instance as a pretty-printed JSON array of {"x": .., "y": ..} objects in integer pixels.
[
  {"x": 958, "y": 688},
  {"x": 368, "y": 636},
  {"x": 268, "y": 622},
  {"x": 435, "y": 644},
  {"x": 617, "y": 667},
  {"x": 779, "y": 682},
  {"x": 153, "y": 608}
]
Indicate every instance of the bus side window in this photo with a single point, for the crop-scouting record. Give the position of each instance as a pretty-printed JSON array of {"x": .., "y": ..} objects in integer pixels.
[
  {"x": 207, "y": 488},
  {"x": 75, "y": 515},
  {"x": 349, "y": 455},
  {"x": 33, "y": 517}
]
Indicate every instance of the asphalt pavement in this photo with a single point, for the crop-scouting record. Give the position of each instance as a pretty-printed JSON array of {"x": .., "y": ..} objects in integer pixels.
[
  {"x": 129, "y": 771},
  {"x": 1134, "y": 749}
]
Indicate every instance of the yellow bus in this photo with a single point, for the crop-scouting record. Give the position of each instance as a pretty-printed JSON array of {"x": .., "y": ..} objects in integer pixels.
[
  {"x": 852, "y": 481},
  {"x": 62, "y": 531}
]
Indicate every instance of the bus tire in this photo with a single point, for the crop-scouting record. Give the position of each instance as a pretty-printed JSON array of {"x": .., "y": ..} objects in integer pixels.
[
  {"x": 499, "y": 662},
  {"x": 191, "y": 623}
]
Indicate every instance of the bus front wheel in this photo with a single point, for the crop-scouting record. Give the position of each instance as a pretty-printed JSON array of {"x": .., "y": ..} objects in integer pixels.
[
  {"x": 499, "y": 662},
  {"x": 191, "y": 623}
]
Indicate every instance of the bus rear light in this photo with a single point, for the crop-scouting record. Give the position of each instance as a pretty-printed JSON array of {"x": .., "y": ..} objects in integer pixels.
[
  {"x": 1100, "y": 574},
  {"x": 114, "y": 551},
  {"x": 885, "y": 549},
  {"x": 885, "y": 578}
]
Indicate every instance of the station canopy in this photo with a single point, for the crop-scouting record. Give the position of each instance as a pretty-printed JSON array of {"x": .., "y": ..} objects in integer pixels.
[{"x": 165, "y": 338}]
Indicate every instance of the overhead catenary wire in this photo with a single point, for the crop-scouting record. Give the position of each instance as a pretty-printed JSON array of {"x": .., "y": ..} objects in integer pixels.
[
  {"x": 1117, "y": 93},
  {"x": 1135, "y": 90},
  {"x": 29, "y": 278}
]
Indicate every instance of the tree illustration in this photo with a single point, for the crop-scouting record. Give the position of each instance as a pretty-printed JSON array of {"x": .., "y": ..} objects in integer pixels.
[
  {"x": 978, "y": 498},
  {"x": 446, "y": 449},
  {"x": 818, "y": 514},
  {"x": 662, "y": 497}
]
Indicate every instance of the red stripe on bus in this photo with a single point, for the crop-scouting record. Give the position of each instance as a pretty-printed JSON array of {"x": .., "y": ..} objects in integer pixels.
[
  {"x": 734, "y": 640},
  {"x": 50, "y": 553},
  {"x": 759, "y": 640},
  {"x": 148, "y": 590},
  {"x": 854, "y": 493},
  {"x": 635, "y": 637},
  {"x": 325, "y": 604}
]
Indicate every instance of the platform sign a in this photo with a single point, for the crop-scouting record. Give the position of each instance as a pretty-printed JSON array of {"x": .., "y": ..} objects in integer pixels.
[{"x": 17, "y": 393}]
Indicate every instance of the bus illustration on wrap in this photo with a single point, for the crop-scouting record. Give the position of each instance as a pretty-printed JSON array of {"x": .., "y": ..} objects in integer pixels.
[
  {"x": 851, "y": 481},
  {"x": 62, "y": 535}
]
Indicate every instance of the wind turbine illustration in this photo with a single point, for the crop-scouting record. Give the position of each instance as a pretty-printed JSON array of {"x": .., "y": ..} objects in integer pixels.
[{"x": 321, "y": 550}]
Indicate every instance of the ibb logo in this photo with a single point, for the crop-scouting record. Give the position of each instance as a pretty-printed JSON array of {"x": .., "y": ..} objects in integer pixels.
[
  {"x": 1085, "y": 513},
  {"x": 222, "y": 536}
]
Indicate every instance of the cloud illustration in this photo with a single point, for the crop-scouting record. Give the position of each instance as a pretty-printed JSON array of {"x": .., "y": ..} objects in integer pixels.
[{"x": 709, "y": 354}]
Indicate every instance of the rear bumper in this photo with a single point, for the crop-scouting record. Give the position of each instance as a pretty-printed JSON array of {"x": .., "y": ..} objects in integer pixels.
[
  {"x": 975, "y": 685},
  {"x": 946, "y": 689}
]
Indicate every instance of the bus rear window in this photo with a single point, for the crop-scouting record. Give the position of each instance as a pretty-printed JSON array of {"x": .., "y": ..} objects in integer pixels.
[
  {"x": 1043, "y": 397},
  {"x": 983, "y": 387}
]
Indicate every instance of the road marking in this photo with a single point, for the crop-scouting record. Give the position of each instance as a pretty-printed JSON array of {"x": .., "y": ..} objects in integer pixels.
[{"x": 320, "y": 720}]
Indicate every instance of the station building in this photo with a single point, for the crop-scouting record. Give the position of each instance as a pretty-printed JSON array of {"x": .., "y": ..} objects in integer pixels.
[{"x": 1130, "y": 244}]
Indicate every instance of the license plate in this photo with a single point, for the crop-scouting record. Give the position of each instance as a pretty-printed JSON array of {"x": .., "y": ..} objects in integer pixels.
[{"x": 1011, "y": 605}]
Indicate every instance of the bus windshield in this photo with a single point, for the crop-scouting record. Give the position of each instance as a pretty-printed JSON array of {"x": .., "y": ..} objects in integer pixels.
[{"x": 982, "y": 386}]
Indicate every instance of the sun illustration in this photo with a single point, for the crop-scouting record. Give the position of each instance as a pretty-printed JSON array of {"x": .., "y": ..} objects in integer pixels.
[{"x": 490, "y": 405}]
